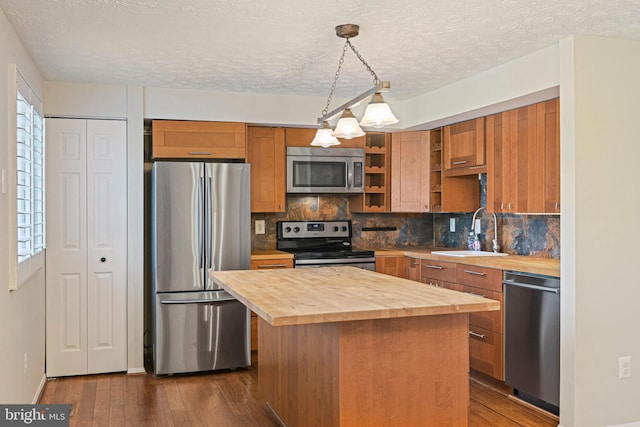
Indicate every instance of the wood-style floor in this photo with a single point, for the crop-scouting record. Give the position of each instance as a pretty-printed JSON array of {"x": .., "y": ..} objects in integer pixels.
[{"x": 224, "y": 399}]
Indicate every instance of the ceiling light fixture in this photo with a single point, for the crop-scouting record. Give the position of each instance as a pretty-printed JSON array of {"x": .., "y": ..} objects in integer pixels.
[{"x": 377, "y": 113}]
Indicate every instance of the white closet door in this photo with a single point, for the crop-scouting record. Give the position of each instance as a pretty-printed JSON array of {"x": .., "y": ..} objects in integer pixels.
[
  {"x": 107, "y": 245},
  {"x": 86, "y": 246}
]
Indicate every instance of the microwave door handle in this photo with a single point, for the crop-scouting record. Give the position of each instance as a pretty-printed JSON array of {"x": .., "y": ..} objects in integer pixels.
[{"x": 349, "y": 174}]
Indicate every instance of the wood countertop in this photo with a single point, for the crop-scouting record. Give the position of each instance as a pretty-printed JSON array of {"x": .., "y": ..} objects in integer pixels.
[
  {"x": 526, "y": 264},
  {"x": 274, "y": 254},
  {"x": 338, "y": 294}
]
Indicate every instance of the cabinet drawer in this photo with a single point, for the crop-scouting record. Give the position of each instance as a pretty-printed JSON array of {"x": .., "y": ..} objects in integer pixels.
[
  {"x": 479, "y": 277},
  {"x": 271, "y": 263},
  {"x": 490, "y": 320},
  {"x": 438, "y": 270},
  {"x": 486, "y": 352}
]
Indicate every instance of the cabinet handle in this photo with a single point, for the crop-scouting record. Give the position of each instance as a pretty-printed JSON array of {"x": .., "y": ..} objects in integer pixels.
[
  {"x": 103, "y": 259},
  {"x": 200, "y": 153},
  {"x": 476, "y": 335},
  {"x": 475, "y": 295},
  {"x": 459, "y": 162},
  {"x": 416, "y": 263},
  {"x": 435, "y": 267},
  {"x": 272, "y": 266},
  {"x": 502, "y": 205},
  {"x": 556, "y": 205},
  {"x": 475, "y": 273}
]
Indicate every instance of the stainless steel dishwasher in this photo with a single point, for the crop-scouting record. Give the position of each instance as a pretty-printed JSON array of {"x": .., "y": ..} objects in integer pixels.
[{"x": 532, "y": 338}]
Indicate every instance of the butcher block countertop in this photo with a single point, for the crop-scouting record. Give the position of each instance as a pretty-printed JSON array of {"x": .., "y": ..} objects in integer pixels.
[
  {"x": 338, "y": 294},
  {"x": 525, "y": 264},
  {"x": 274, "y": 254}
]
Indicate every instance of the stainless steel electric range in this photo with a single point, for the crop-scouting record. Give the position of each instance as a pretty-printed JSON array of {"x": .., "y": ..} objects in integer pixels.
[{"x": 322, "y": 244}]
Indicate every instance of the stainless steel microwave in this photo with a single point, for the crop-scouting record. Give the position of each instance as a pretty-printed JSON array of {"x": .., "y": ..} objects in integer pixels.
[{"x": 325, "y": 170}]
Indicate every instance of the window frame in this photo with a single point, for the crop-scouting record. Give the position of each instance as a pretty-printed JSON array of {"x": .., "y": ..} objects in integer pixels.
[{"x": 21, "y": 271}]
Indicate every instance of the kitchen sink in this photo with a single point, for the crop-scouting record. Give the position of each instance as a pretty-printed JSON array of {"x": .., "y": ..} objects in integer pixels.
[{"x": 468, "y": 253}]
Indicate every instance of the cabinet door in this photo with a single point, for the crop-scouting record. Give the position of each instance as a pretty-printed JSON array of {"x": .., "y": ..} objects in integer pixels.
[
  {"x": 199, "y": 140},
  {"x": 511, "y": 142},
  {"x": 86, "y": 247},
  {"x": 464, "y": 147},
  {"x": 499, "y": 163},
  {"x": 391, "y": 265},
  {"x": 266, "y": 153},
  {"x": 548, "y": 138},
  {"x": 412, "y": 268},
  {"x": 410, "y": 172}
]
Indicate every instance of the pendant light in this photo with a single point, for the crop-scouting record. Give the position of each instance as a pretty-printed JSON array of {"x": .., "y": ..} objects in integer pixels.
[
  {"x": 377, "y": 114},
  {"x": 347, "y": 126},
  {"x": 324, "y": 137}
]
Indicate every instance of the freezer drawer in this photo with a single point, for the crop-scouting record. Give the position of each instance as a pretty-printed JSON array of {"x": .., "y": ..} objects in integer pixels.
[{"x": 200, "y": 331}]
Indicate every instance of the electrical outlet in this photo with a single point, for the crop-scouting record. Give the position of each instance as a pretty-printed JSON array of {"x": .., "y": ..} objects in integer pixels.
[
  {"x": 476, "y": 228},
  {"x": 26, "y": 362},
  {"x": 452, "y": 225},
  {"x": 259, "y": 226},
  {"x": 624, "y": 367}
]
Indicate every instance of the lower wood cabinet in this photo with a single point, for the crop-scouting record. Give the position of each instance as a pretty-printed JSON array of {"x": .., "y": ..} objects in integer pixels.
[
  {"x": 392, "y": 265},
  {"x": 486, "y": 339},
  {"x": 262, "y": 264},
  {"x": 437, "y": 273}
]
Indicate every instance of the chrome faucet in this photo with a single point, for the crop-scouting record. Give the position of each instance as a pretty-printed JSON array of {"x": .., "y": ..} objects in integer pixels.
[{"x": 494, "y": 242}]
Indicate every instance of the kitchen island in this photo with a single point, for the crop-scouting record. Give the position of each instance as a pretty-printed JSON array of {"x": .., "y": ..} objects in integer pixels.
[{"x": 341, "y": 346}]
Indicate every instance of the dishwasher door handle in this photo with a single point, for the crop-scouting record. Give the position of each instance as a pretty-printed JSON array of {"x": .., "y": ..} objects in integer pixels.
[
  {"x": 532, "y": 287},
  {"x": 198, "y": 301}
]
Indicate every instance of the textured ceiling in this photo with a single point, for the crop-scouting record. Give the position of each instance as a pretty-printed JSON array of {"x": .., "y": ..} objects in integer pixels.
[{"x": 290, "y": 47}]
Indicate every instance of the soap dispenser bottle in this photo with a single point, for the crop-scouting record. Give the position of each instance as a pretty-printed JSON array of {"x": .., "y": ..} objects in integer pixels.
[
  {"x": 476, "y": 243},
  {"x": 471, "y": 240}
]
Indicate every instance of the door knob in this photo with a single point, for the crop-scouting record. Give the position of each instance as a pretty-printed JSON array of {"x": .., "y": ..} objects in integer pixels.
[{"x": 103, "y": 259}]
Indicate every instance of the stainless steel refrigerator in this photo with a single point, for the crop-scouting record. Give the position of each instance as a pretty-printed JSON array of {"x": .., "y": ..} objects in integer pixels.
[{"x": 200, "y": 223}]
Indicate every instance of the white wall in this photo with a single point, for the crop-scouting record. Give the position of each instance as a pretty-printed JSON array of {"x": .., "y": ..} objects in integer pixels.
[
  {"x": 21, "y": 311},
  {"x": 600, "y": 232}
]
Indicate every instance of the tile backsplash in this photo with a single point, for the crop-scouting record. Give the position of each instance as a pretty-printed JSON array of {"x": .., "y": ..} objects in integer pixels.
[
  {"x": 400, "y": 230},
  {"x": 529, "y": 235}
]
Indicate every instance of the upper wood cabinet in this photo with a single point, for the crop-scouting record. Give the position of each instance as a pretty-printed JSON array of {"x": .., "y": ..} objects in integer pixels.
[
  {"x": 410, "y": 172},
  {"x": 523, "y": 160},
  {"x": 464, "y": 150},
  {"x": 511, "y": 138},
  {"x": 198, "y": 140},
  {"x": 450, "y": 193},
  {"x": 548, "y": 148},
  {"x": 377, "y": 175},
  {"x": 266, "y": 153},
  {"x": 302, "y": 137}
]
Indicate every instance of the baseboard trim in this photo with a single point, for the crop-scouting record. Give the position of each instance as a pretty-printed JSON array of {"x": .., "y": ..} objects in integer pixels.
[
  {"x": 39, "y": 390},
  {"x": 534, "y": 407},
  {"x": 136, "y": 371}
]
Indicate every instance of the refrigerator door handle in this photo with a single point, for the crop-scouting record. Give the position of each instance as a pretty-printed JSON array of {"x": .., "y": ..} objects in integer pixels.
[
  {"x": 200, "y": 223},
  {"x": 209, "y": 219},
  {"x": 198, "y": 301}
]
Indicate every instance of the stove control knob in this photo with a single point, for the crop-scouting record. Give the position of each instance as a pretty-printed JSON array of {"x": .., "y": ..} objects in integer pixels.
[
  {"x": 344, "y": 228},
  {"x": 287, "y": 229},
  {"x": 296, "y": 229},
  {"x": 336, "y": 228}
]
